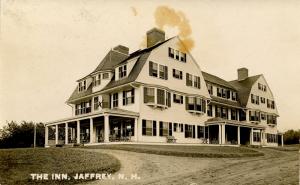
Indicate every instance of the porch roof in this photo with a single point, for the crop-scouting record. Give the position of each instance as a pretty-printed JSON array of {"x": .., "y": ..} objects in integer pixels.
[
  {"x": 111, "y": 112},
  {"x": 213, "y": 121}
]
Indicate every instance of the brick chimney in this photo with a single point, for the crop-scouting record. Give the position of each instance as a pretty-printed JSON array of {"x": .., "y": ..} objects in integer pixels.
[
  {"x": 122, "y": 49},
  {"x": 154, "y": 36},
  {"x": 242, "y": 73}
]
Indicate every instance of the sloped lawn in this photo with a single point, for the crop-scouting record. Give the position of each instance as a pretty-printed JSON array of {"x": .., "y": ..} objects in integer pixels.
[
  {"x": 16, "y": 165},
  {"x": 186, "y": 151}
]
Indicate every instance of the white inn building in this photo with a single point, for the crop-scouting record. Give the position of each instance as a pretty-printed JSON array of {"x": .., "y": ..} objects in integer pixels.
[{"x": 160, "y": 94}]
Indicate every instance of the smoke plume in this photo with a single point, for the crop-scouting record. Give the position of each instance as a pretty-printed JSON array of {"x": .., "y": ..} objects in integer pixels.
[{"x": 165, "y": 16}]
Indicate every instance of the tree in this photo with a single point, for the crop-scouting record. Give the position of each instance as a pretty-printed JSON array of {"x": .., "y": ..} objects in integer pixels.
[
  {"x": 15, "y": 135},
  {"x": 291, "y": 137}
]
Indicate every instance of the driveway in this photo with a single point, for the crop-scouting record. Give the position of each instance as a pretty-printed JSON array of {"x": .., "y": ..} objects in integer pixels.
[{"x": 275, "y": 167}]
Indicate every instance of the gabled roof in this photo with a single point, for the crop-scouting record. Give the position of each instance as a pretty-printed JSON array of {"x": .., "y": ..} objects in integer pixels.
[
  {"x": 110, "y": 60},
  {"x": 244, "y": 88},
  {"x": 216, "y": 80},
  {"x": 106, "y": 65},
  {"x": 76, "y": 94}
]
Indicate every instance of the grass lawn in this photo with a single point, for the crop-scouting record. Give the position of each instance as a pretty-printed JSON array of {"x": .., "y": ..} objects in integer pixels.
[
  {"x": 185, "y": 151},
  {"x": 16, "y": 165}
]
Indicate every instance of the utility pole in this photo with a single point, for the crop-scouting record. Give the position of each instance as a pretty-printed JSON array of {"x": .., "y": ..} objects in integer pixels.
[{"x": 34, "y": 136}]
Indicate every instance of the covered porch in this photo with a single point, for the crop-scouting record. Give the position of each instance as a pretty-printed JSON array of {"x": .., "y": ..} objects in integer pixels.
[
  {"x": 228, "y": 132},
  {"x": 110, "y": 125}
]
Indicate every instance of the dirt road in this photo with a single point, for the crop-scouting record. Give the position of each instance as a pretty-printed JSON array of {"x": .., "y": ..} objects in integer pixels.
[{"x": 275, "y": 167}]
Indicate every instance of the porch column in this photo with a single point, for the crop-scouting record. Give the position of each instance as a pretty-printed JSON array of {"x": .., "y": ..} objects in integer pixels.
[
  {"x": 91, "y": 130},
  {"x": 223, "y": 134},
  {"x": 239, "y": 135},
  {"x": 106, "y": 128},
  {"x": 282, "y": 140},
  {"x": 78, "y": 132},
  {"x": 247, "y": 115},
  {"x": 251, "y": 136},
  {"x": 56, "y": 134},
  {"x": 261, "y": 137},
  {"x": 135, "y": 129},
  {"x": 208, "y": 135},
  {"x": 196, "y": 131},
  {"x": 66, "y": 134},
  {"x": 213, "y": 111},
  {"x": 220, "y": 134},
  {"x": 229, "y": 114},
  {"x": 238, "y": 115},
  {"x": 46, "y": 135}
]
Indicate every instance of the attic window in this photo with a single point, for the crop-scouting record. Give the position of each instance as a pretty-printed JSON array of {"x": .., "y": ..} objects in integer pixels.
[
  {"x": 105, "y": 75},
  {"x": 123, "y": 71},
  {"x": 82, "y": 86}
]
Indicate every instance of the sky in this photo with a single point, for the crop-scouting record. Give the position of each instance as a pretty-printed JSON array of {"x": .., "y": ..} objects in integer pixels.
[{"x": 45, "y": 46}]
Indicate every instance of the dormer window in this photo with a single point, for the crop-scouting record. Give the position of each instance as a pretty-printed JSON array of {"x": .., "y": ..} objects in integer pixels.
[
  {"x": 234, "y": 96},
  {"x": 105, "y": 75},
  {"x": 123, "y": 71},
  {"x": 97, "y": 80},
  {"x": 82, "y": 86}
]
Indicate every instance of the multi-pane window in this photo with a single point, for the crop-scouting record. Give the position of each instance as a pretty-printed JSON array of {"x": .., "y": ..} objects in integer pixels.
[
  {"x": 175, "y": 54},
  {"x": 196, "y": 104},
  {"x": 82, "y": 86},
  {"x": 200, "y": 131},
  {"x": 97, "y": 80},
  {"x": 115, "y": 99},
  {"x": 263, "y": 116},
  {"x": 149, "y": 96},
  {"x": 96, "y": 103},
  {"x": 233, "y": 114},
  {"x": 262, "y": 87},
  {"x": 254, "y": 115},
  {"x": 122, "y": 71},
  {"x": 105, "y": 75},
  {"x": 263, "y": 100},
  {"x": 177, "y": 98},
  {"x": 209, "y": 88},
  {"x": 189, "y": 131},
  {"x": 256, "y": 136},
  {"x": 271, "y": 138},
  {"x": 271, "y": 119},
  {"x": 234, "y": 96},
  {"x": 219, "y": 92},
  {"x": 254, "y": 99},
  {"x": 163, "y": 72},
  {"x": 163, "y": 128},
  {"x": 148, "y": 128},
  {"x": 224, "y": 113},
  {"x": 197, "y": 82},
  {"x": 160, "y": 97},
  {"x": 128, "y": 97},
  {"x": 270, "y": 104},
  {"x": 154, "y": 69},
  {"x": 171, "y": 52},
  {"x": 177, "y": 74},
  {"x": 182, "y": 57},
  {"x": 209, "y": 110},
  {"x": 189, "y": 79},
  {"x": 218, "y": 112},
  {"x": 83, "y": 108}
]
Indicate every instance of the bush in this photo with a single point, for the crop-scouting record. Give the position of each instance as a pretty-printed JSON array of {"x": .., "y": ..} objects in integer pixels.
[
  {"x": 15, "y": 135},
  {"x": 291, "y": 137}
]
